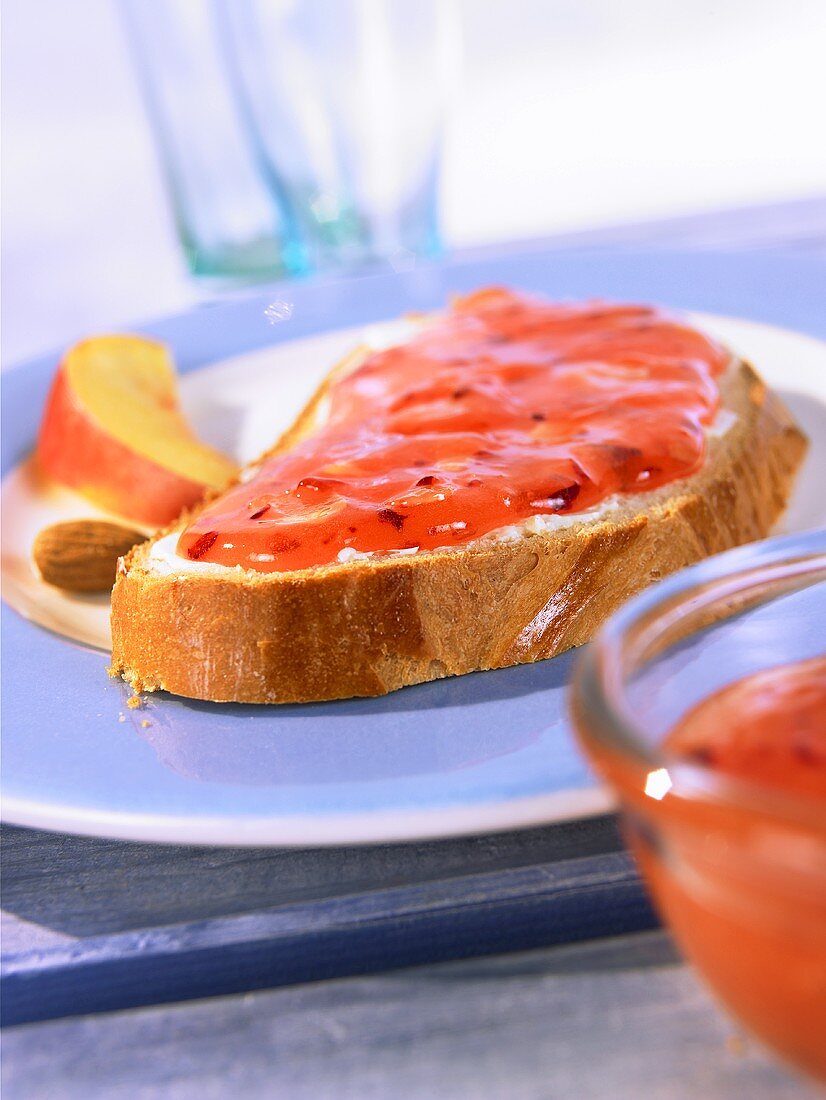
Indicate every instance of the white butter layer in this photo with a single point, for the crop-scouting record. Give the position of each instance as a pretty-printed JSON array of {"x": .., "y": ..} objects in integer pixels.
[
  {"x": 724, "y": 420},
  {"x": 533, "y": 525},
  {"x": 165, "y": 559}
]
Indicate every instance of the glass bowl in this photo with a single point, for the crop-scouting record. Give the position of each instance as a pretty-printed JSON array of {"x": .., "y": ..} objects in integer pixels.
[{"x": 736, "y": 868}]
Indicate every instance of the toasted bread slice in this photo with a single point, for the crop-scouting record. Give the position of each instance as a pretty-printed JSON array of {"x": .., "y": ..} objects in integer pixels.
[{"x": 371, "y": 625}]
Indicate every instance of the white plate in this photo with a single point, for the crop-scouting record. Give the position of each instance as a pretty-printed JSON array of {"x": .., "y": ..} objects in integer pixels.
[{"x": 474, "y": 753}]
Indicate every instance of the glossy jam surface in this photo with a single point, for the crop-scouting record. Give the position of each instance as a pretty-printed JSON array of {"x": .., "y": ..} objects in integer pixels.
[
  {"x": 506, "y": 407},
  {"x": 769, "y": 728}
]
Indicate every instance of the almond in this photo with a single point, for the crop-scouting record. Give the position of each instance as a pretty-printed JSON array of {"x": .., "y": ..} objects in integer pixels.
[{"x": 82, "y": 555}]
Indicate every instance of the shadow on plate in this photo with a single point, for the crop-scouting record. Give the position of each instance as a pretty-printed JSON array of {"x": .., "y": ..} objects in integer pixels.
[{"x": 436, "y": 728}]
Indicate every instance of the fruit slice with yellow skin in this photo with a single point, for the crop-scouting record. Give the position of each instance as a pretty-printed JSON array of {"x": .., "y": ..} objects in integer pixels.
[{"x": 113, "y": 430}]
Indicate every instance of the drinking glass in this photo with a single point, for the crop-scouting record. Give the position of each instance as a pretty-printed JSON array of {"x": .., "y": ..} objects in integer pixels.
[
  {"x": 230, "y": 224},
  {"x": 298, "y": 134}
]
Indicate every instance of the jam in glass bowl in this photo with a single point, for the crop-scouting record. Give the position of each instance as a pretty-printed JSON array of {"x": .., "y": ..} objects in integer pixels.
[{"x": 703, "y": 703}]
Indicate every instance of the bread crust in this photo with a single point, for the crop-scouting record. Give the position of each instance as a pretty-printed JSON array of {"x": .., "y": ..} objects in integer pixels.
[{"x": 368, "y": 627}]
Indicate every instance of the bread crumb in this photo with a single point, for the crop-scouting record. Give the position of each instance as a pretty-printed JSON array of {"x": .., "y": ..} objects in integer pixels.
[
  {"x": 121, "y": 717},
  {"x": 736, "y": 1045},
  {"x": 146, "y": 723},
  {"x": 134, "y": 702}
]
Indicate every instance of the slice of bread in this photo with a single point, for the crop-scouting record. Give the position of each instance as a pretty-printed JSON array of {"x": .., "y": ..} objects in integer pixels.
[{"x": 374, "y": 624}]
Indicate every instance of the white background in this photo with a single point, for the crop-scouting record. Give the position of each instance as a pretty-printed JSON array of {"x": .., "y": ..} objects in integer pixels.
[{"x": 566, "y": 114}]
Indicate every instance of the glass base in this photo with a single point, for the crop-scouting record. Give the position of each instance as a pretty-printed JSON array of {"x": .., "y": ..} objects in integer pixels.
[{"x": 258, "y": 260}]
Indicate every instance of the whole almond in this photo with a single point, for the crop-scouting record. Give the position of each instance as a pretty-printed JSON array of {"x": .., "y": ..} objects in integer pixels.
[{"x": 82, "y": 555}]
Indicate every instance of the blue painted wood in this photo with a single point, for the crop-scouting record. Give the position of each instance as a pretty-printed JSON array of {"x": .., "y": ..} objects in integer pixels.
[
  {"x": 57, "y": 886},
  {"x": 608, "y": 1019},
  {"x": 473, "y": 915}
]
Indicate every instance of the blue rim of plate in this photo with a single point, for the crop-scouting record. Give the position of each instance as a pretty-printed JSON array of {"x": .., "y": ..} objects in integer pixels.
[{"x": 44, "y": 675}]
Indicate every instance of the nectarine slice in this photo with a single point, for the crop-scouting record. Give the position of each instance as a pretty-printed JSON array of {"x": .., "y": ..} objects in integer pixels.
[{"x": 113, "y": 430}]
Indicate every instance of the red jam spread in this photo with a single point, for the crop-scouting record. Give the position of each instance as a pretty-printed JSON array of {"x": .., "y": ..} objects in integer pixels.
[
  {"x": 505, "y": 407},
  {"x": 769, "y": 728}
]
